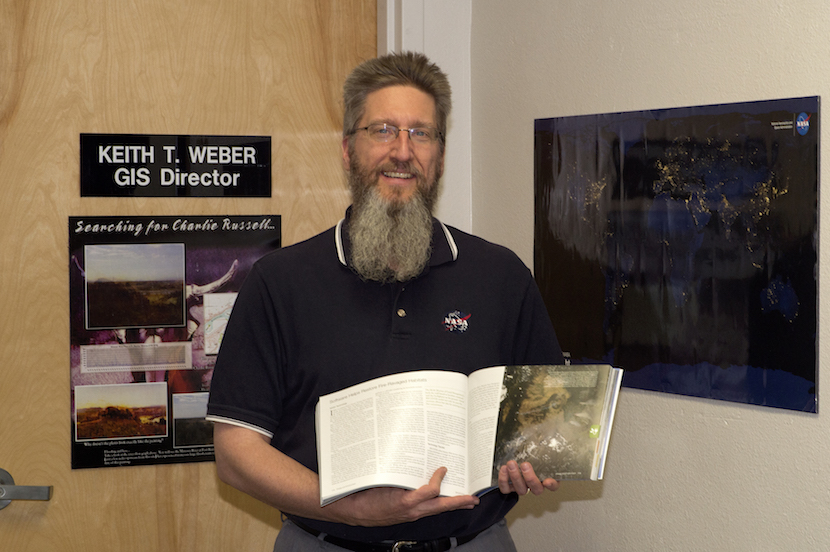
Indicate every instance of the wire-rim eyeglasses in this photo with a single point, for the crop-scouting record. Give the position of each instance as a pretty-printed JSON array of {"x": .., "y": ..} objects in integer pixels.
[{"x": 385, "y": 133}]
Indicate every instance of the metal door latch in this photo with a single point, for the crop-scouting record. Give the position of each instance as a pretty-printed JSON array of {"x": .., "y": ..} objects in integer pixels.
[{"x": 9, "y": 491}]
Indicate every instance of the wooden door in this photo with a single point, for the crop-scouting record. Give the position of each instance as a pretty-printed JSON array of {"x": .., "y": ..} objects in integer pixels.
[{"x": 185, "y": 67}]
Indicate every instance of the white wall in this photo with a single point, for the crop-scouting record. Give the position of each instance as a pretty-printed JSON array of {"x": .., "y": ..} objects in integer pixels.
[
  {"x": 683, "y": 473},
  {"x": 441, "y": 30}
]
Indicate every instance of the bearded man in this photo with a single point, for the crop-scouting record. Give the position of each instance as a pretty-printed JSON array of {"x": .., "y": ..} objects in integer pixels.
[{"x": 388, "y": 289}]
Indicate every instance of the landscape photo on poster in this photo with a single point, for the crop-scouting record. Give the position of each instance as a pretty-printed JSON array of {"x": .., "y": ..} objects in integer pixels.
[
  {"x": 134, "y": 285},
  {"x": 681, "y": 245}
]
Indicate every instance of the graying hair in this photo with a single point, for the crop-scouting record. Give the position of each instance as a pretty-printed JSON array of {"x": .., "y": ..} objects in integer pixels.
[{"x": 405, "y": 68}]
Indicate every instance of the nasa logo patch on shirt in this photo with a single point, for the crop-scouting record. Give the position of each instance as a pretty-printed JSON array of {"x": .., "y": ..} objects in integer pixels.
[{"x": 456, "y": 321}]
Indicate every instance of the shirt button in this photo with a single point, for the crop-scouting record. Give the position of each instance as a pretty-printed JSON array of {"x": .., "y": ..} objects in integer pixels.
[{"x": 401, "y": 313}]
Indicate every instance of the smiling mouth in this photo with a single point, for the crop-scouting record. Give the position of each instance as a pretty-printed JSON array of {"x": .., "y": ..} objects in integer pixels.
[{"x": 393, "y": 174}]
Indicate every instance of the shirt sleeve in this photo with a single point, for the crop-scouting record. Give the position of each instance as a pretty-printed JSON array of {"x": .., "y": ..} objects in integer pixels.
[{"x": 245, "y": 388}]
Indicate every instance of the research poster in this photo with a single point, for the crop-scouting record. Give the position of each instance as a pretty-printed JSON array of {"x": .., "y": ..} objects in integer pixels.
[
  {"x": 681, "y": 245},
  {"x": 149, "y": 300}
]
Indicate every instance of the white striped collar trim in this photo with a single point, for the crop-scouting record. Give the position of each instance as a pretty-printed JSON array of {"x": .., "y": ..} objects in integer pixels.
[
  {"x": 338, "y": 242},
  {"x": 450, "y": 241}
]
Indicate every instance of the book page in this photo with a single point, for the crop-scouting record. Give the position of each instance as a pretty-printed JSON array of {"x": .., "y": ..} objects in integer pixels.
[
  {"x": 484, "y": 396},
  {"x": 393, "y": 431},
  {"x": 607, "y": 420},
  {"x": 551, "y": 416},
  {"x": 446, "y": 422}
]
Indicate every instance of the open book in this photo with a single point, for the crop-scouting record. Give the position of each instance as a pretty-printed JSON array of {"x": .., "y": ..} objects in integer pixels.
[{"x": 395, "y": 431}]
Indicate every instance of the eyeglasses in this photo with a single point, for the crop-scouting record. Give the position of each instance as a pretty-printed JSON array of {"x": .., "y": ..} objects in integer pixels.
[{"x": 384, "y": 133}]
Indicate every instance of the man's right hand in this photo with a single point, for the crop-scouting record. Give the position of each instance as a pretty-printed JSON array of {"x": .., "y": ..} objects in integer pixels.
[
  {"x": 389, "y": 505},
  {"x": 246, "y": 460}
]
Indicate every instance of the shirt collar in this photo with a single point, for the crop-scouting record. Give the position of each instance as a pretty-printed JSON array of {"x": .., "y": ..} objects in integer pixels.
[{"x": 444, "y": 248}]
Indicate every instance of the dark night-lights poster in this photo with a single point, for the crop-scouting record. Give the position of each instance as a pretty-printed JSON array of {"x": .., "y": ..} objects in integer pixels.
[{"x": 681, "y": 245}]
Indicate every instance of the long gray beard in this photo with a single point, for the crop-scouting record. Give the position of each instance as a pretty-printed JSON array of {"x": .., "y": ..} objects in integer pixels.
[{"x": 390, "y": 241}]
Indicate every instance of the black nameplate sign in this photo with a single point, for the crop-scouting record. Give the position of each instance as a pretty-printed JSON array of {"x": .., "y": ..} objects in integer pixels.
[{"x": 126, "y": 165}]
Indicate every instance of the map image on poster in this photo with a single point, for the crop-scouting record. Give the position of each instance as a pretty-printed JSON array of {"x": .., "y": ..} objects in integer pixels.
[
  {"x": 681, "y": 245},
  {"x": 149, "y": 297}
]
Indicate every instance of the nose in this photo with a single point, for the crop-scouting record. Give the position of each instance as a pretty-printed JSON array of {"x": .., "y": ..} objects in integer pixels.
[{"x": 402, "y": 146}]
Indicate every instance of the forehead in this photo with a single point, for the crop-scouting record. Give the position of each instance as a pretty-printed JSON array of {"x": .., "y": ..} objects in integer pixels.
[{"x": 399, "y": 105}]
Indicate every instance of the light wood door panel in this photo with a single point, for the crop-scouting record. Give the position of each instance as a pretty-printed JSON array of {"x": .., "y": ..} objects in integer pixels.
[{"x": 218, "y": 67}]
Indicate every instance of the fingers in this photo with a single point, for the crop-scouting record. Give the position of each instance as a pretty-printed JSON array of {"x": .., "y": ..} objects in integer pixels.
[
  {"x": 436, "y": 479},
  {"x": 383, "y": 506},
  {"x": 430, "y": 490},
  {"x": 505, "y": 484},
  {"x": 426, "y": 500},
  {"x": 522, "y": 480},
  {"x": 515, "y": 478},
  {"x": 550, "y": 484},
  {"x": 443, "y": 504}
]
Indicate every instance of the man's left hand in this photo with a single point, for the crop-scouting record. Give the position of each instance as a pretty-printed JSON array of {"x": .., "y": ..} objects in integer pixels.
[{"x": 521, "y": 479}]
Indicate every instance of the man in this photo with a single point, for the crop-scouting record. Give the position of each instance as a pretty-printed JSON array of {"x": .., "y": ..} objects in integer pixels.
[{"x": 389, "y": 289}]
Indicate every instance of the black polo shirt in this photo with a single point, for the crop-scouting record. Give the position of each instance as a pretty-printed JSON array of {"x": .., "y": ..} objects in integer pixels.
[{"x": 304, "y": 325}]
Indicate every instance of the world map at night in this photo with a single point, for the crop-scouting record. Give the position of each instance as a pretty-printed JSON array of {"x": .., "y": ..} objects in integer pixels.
[{"x": 681, "y": 245}]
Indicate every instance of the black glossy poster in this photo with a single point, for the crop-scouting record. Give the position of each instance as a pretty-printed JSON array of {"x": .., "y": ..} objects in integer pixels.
[
  {"x": 149, "y": 300},
  {"x": 681, "y": 245}
]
